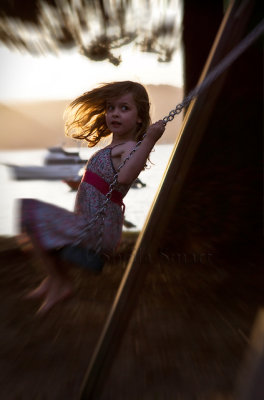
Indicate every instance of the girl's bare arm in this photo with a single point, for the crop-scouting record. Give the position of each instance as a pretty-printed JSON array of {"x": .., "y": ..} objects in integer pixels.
[{"x": 136, "y": 163}]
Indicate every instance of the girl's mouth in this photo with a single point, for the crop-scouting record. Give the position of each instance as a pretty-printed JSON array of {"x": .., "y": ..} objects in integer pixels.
[{"x": 115, "y": 123}]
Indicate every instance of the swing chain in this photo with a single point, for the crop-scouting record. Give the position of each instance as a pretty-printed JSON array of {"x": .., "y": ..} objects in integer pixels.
[
  {"x": 112, "y": 186},
  {"x": 186, "y": 101}
]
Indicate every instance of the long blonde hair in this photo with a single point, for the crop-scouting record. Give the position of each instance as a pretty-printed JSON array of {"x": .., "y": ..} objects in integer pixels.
[{"x": 85, "y": 116}]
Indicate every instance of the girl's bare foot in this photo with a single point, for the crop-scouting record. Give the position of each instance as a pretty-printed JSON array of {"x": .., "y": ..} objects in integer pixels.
[
  {"x": 41, "y": 290},
  {"x": 57, "y": 292}
]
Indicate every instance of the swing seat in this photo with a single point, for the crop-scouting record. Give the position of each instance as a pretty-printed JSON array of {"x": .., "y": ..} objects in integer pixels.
[{"x": 82, "y": 257}]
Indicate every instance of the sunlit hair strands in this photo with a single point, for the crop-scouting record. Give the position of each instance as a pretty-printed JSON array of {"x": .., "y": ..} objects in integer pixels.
[{"x": 85, "y": 116}]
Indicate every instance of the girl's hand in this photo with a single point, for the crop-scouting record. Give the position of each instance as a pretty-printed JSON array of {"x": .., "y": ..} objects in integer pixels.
[
  {"x": 135, "y": 164},
  {"x": 156, "y": 130}
]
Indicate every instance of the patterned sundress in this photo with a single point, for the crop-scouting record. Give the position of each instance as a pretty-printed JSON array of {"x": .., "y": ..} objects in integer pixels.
[{"x": 54, "y": 227}]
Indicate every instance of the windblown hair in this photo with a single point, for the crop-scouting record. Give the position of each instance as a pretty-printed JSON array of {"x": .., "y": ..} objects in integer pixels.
[{"x": 85, "y": 116}]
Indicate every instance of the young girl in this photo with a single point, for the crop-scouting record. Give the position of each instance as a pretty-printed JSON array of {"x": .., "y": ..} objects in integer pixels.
[{"x": 120, "y": 109}]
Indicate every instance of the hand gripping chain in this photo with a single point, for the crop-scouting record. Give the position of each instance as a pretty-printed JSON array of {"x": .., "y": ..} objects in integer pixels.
[{"x": 221, "y": 67}]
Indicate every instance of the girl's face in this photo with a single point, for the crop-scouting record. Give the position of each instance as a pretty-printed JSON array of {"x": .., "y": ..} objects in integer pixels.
[{"x": 122, "y": 116}]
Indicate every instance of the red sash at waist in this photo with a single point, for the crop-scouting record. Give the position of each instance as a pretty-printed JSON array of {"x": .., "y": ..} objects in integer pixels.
[{"x": 99, "y": 183}]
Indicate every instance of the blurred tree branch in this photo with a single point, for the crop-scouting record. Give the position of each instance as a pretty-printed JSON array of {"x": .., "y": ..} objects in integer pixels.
[{"x": 96, "y": 28}]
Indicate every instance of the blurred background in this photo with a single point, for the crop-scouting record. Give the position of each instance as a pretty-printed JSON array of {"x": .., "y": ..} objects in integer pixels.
[{"x": 54, "y": 50}]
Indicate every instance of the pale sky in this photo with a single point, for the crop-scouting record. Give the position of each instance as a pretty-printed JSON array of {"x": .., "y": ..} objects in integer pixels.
[{"x": 24, "y": 77}]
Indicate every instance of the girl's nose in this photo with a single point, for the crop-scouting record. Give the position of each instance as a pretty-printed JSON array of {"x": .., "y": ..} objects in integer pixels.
[{"x": 115, "y": 112}]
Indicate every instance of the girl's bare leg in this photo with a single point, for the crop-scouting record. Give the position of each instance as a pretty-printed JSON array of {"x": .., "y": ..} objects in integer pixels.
[
  {"x": 26, "y": 245},
  {"x": 56, "y": 287}
]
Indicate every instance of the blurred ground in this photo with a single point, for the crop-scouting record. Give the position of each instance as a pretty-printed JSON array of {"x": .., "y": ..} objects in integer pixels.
[{"x": 186, "y": 340}]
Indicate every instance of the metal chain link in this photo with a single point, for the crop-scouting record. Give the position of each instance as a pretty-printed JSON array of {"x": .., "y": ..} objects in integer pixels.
[{"x": 224, "y": 64}]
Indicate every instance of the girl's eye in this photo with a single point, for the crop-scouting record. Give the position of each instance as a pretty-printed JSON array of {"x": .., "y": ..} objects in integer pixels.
[
  {"x": 124, "y": 108},
  {"x": 109, "y": 107}
]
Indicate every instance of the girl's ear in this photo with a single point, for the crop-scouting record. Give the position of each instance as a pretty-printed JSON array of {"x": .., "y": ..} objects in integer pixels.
[{"x": 139, "y": 120}]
